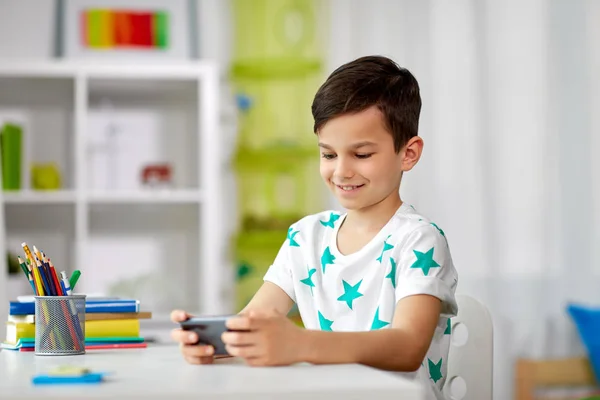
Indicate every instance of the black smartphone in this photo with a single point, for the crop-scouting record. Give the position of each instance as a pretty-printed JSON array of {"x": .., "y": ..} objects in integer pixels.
[{"x": 209, "y": 330}]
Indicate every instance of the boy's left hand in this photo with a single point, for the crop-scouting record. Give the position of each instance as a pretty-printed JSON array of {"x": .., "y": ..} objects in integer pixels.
[{"x": 272, "y": 339}]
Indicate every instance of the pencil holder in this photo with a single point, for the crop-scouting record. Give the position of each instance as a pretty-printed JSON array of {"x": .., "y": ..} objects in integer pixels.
[{"x": 59, "y": 325}]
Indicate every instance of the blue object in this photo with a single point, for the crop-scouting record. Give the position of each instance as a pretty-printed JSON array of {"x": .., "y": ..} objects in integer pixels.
[
  {"x": 91, "y": 306},
  {"x": 67, "y": 380},
  {"x": 587, "y": 320},
  {"x": 243, "y": 102}
]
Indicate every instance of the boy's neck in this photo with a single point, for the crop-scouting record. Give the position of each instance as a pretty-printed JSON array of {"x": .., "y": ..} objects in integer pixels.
[{"x": 375, "y": 217}]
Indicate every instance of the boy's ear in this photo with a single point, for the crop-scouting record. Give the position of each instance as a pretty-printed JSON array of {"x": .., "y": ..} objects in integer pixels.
[{"x": 411, "y": 153}]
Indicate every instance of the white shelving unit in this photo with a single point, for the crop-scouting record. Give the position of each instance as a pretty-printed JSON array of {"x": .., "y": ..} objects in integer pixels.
[{"x": 167, "y": 247}]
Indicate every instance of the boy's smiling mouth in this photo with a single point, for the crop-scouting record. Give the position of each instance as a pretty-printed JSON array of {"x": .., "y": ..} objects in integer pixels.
[{"x": 349, "y": 188}]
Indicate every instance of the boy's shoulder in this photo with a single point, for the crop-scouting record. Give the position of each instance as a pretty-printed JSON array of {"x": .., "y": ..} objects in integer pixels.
[{"x": 408, "y": 221}]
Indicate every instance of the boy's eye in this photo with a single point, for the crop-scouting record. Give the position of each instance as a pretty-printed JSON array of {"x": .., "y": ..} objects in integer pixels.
[
  {"x": 364, "y": 155},
  {"x": 328, "y": 156}
]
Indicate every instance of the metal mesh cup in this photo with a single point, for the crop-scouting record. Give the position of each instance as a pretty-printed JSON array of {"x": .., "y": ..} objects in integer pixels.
[{"x": 59, "y": 325}]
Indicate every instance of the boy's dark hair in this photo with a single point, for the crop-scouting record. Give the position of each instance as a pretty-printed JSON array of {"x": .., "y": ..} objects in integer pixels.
[{"x": 371, "y": 81}]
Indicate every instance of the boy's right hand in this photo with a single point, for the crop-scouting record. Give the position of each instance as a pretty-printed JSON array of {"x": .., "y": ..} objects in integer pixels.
[{"x": 192, "y": 352}]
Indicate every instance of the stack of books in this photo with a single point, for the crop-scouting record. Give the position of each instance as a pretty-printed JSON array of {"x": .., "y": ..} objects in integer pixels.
[{"x": 110, "y": 323}]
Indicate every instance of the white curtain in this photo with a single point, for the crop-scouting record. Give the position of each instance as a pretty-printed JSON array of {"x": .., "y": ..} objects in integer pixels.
[{"x": 511, "y": 165}]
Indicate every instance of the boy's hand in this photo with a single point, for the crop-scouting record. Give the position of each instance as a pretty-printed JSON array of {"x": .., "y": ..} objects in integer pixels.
[
  {"x": 272, "y": 339},
  {"x": 193, "y": 353}
]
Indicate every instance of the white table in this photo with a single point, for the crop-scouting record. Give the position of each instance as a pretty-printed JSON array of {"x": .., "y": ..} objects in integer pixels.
[{"x": 159, "y": 372}]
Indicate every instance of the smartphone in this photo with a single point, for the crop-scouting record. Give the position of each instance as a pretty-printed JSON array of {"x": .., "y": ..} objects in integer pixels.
[{"x": 209, "y": 330}]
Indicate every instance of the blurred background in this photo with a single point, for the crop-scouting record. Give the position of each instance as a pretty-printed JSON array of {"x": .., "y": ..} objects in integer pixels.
[{"x": 164, "y": 147}]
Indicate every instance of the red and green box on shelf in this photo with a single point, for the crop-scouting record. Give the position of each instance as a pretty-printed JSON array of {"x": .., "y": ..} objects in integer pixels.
[{"x": 119, "y": 28}]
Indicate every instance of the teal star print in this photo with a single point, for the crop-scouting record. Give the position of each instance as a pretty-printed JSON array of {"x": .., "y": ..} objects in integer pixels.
[
  {"x": 324, "y": 322},
  {"x": 327, "y": 258},
  {"x": 332, "y": 218},
  {"x": 448, "y": 328},
  {"x": 439, "y": 230},
  {"x": 291, "y": 235},
  {"x": 386, "y": 246},
  {"x": 425, "y": 261},
  {"x": 308, "y": 281},
  {"x": 392, "y": 274},
  {"x": 350, "y": 293},
  {"x": 377, "y": 323},
  {"x": 435, "y": 370}
]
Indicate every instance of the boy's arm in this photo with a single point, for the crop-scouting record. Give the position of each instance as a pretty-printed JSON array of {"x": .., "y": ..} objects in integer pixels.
[
  {"x": 400, "y": 348},
  {"x": 268, "y": 298}
]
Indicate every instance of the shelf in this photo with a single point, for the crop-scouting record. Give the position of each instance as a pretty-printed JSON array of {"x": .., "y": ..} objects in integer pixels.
[
  {"x": 33, "y": 197},
  {"x": 149, "y": 196},
  {"x": 103, "y": 124},
  {"x": 166, "y": 70}
]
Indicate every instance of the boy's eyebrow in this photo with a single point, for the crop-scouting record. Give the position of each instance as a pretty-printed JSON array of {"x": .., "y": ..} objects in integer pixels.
[
  {"x": 363, "y": 144},
  {"x": 354, "y": 146}
]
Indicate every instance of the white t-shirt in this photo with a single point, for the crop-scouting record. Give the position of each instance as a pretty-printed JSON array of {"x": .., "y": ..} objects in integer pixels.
[{"x": 359, "y": 291}]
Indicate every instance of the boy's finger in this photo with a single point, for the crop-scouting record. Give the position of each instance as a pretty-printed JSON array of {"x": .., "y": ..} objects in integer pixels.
[
  {"x": 239, "y": 338},
  {"x": 243, "y": 323},
  {"x": 185, "y": 337},
  {"x": 198, "y": 360},
  {"x": 243, "y": 351},
  {"x": 198, "y": 351},
  {"x": 179, "y": 316}
]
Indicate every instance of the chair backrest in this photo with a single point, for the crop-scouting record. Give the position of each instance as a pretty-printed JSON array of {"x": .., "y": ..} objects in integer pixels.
[{"x": 470, "y": 362}]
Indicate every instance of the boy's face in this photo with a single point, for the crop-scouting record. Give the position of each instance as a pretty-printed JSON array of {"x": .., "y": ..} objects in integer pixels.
[{"x": 358, "y": 161}]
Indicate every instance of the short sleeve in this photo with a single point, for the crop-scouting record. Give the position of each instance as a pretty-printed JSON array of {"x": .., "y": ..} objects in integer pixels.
[
  {"x": 280, "y": 272},
  {"x": 424, "y": 266}
]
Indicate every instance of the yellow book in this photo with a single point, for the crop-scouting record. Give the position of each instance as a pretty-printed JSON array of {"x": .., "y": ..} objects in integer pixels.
[
  {"x": 112, "y": 327},
  {"x": 93, "y": 329},
  {"x": 19, "y": 330}
]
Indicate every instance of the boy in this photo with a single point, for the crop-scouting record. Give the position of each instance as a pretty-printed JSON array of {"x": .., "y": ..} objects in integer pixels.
[{"x": 374, "y": 285}]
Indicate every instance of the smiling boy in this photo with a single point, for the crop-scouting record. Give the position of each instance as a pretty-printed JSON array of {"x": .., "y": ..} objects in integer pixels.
[{"x": 376, "y": 284}]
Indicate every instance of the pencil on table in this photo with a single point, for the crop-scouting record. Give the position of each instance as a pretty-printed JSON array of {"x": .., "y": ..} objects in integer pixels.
[
  {"x": 27, "y": 252},
  {"x": 26, "y": 272},
  {"x": 55, "y": 278}
]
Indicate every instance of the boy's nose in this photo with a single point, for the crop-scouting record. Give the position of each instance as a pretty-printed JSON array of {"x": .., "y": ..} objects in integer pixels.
[{"x": 343, "y": 169}]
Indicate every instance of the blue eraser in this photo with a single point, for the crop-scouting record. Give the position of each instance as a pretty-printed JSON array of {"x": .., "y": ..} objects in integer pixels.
[{"x": 67, "y": 380}]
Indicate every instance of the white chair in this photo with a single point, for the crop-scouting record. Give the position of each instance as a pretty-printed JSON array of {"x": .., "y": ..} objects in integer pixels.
[{"x": 470, "y": 362}]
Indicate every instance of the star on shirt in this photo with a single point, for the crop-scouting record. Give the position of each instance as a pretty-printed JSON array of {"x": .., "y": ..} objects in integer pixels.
[
  {"x": 425, "y": 261},
  {"x": 308, "y": 281},
  {"x": 439, "y": 230},
  {"x": 332, "y": 218},
  {"x": 291, "y": 235},
  {"x": 350, "y": 293},
  {"x": 377, "y": 323},
  {"x": 324, "y": 322},
  {"x": 327, "y": 258},
  {"x": 392, "y": 274},
  {"x": 386, "y": 246},
  {"x": 448, "y": 327},
  {"x": 435, "y": 370}
]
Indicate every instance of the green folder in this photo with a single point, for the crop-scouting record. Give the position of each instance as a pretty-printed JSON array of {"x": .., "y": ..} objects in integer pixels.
[{"x": 11, "y": 142}]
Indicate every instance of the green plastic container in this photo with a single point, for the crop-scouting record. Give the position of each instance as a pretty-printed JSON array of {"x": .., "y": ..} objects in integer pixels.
[
  {"x": 280, "y": 111},
  {"x": 279, "y": 182},
  {"x": 282, "y": 30},
  {"x": 255, "y": 252},
  {"x": 11, "y": 142}
]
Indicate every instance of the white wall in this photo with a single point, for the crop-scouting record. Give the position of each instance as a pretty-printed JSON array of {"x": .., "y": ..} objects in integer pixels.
[{"x": 26, "y": 29}]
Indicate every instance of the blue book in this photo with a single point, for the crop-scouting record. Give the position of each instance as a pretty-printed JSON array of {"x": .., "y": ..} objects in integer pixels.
[{"x": 91, "y": 306}]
